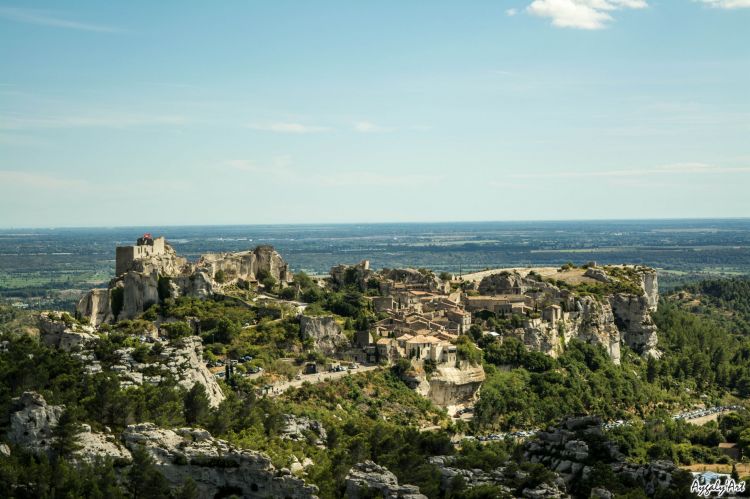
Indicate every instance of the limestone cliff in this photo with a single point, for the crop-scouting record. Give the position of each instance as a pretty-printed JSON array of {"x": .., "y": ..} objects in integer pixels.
[
  {"x": 324, "y": 332},
  {"x": 367, "y": 478},
  {"x": 215, "y": 465},
  {"x": 618, "y": 314},
  {"x": 145, "y": 278},
  {"x": 450, "y": 386},
  {"x": 181, "y": 359}
]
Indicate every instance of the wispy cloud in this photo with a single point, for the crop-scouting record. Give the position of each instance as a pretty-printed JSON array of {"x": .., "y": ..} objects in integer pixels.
[
  {"x": 727, "y": 4},
  {"x": 581, "y": 14},
  {"x": 671, "y": 169},
  {"x": 369, "y": 127},
  {"x": 15, "y": 179},
  {"x": 94, "y": 120},
  {"x": 49, "y": 18},
  {"x": 511, "y": 12},
  {"x": 289, "y": 128}
]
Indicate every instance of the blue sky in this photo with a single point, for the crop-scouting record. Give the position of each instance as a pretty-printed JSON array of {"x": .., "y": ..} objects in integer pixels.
[{"x": 154, "y": 113}]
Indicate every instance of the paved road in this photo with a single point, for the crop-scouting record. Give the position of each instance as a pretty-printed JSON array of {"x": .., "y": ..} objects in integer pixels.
[{"x": 281, "y": 387}]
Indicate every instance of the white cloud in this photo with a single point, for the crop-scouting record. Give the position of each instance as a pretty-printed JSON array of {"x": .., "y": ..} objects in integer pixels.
[
  {"x": 47, "y": 18},
  {"x": 289, "y": 128},
  {"x": 511, "y": 12},
  {"x": 727, "y": 4},
  {"x": 368, "y": 127},
  {"x": 581, "y": 14}
]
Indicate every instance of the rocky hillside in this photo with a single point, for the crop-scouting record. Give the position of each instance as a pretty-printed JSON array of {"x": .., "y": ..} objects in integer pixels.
[
  {"x": 180, "y": 359},
  {"x": 609, "y": 306},
  {"x": 214, "y": 465},
  {"x": 150, "y": 279}
]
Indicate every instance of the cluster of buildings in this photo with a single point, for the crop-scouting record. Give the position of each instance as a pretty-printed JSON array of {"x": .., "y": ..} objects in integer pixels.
[{"x": 423, "y": 321}]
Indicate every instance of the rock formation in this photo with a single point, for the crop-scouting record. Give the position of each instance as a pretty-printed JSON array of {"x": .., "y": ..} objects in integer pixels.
[
  {"x": 32, "y": 422},
  {"x": 215, "y": 465},
  {"x": 146, "y": 273},
  {"x": 181, "y": 359},
  {"x": 610, "y": 320},
  {"x": 450, "y": 386},
  {"x": 66, "y": 335},
  {"x": 574, "y": 447},
  {"x": 300, "y": 428},
  {"x": 502, "y": 477},
  {"x": 367, "y": 478},
  {"x": 324, "y": 331}
]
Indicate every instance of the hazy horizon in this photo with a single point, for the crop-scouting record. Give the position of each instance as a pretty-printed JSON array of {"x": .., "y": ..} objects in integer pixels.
[{"x": 406, "y": 222}]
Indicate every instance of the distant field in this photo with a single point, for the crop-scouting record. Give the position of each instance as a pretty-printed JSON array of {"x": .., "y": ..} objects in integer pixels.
[{"x": 36, "y": 264}]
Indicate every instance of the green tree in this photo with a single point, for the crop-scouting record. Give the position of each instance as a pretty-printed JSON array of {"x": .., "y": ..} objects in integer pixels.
[
  {"x": 65, "y": 435},
  {"x": 196, "y": 404},
  {"x": 144, "y": 481}
]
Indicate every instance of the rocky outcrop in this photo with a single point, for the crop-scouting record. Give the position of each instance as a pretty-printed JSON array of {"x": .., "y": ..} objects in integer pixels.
[
  {"x": 450, "y": 386},
  {"x": 650, "y": 285},
  {"x": 595, "y": 323},
  {"x": 574, "y": 447},
  {"x": 32, "y": 422},
  {"x": 181, "y": 359},
  {"x": 609, "y": 320},
  {"x": 64, "y": 334},
  {"x": 426, "y": 280},
  {"x": 632, "y": 315},
  {"x": 300, "y": 428},
  {"x": 504, "y": 478},
  {"x": 246, "y": 265},
  {"x": 504, "y": 283},
  {"x": 367, "y": 478},
  {"x": 324, "y": 331},
  {"x": 215, "y": 465},
  {"x": 97, "y": 306},
  {"x": 143, "y": 277}
]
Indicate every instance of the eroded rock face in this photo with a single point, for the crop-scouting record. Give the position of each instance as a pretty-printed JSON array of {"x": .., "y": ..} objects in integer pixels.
[
  {"x": 33, "y": 421},
  {"x": 66, "y": 336},
  {"x": 246, "y": 265},
  {"x": 96, "y": 304},
  {"x": 324, "y": 331},
  {"x": 501, "y": 477},
  {"x": 596, "y": 324},
  {"x": 503, "y": 283},
  {"x": 140, "y": 279},
  {"x": 452, "y": 386},
  {"x": 367, "y": 477},
  {"x": 214, "y": 464},
  {"x": 567, "y": 450},
  {"x": 300, "y": 428},
  {"x": 181, "y": 359},
  {"x": 427, "y": 280},
  {"x": 632, "y": 315},
  {"x": 610, "y": 321}
]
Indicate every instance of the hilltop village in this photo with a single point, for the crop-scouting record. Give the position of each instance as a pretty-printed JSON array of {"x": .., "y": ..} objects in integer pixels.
[
  {"x": 408, "y": 315},
  {"x": 405, "y": 343}
]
